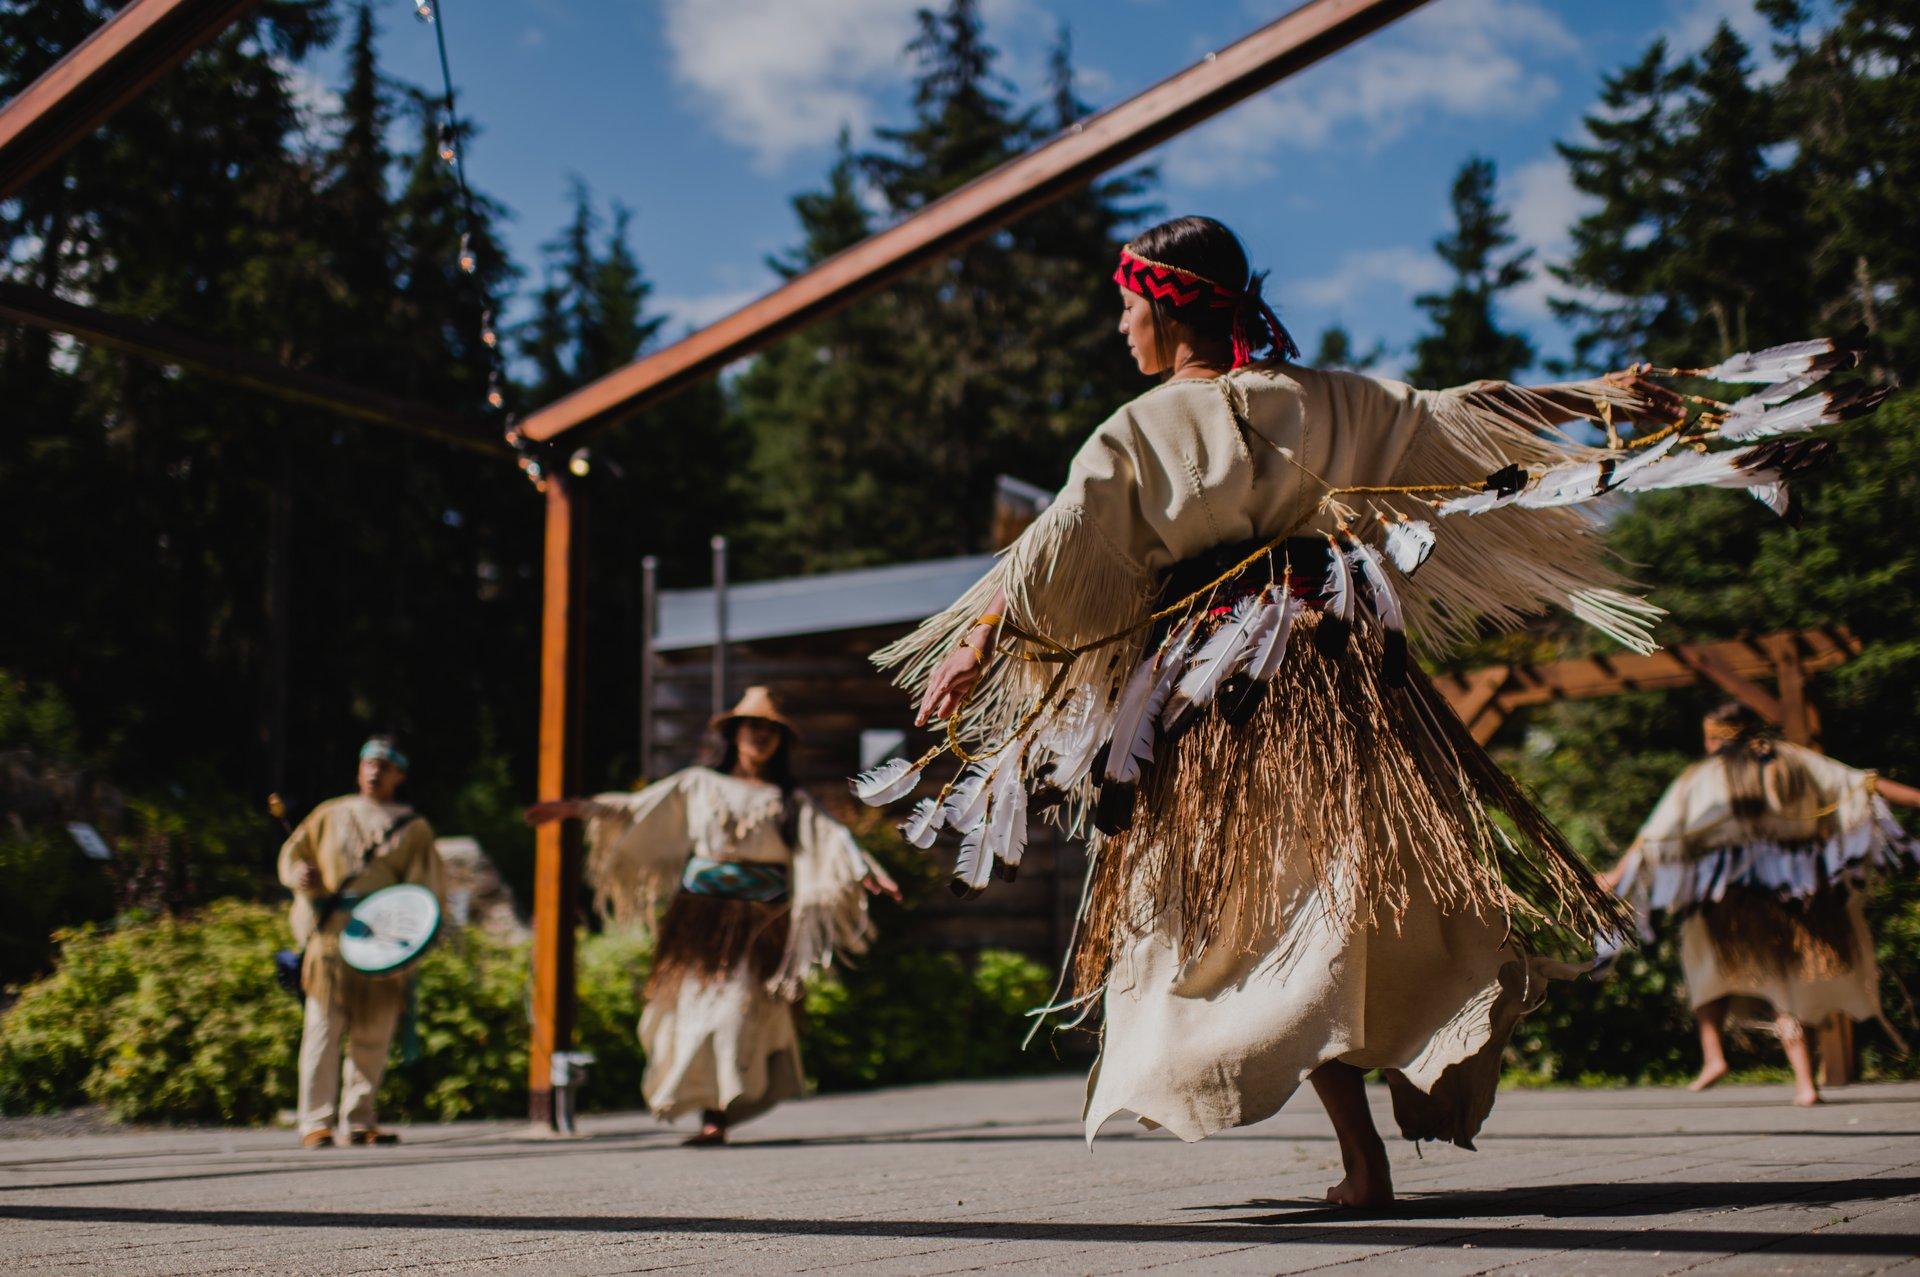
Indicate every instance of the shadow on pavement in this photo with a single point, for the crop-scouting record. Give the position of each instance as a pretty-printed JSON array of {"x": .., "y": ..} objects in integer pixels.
[{"x": 1437, "y": 1219}]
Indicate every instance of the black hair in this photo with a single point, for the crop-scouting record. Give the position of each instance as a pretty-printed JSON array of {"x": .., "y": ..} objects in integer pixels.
[
  {"x": 723, "y": 756},
  {"x": 1759, "y": 778},
  {"x": 1205, "y": 247}
]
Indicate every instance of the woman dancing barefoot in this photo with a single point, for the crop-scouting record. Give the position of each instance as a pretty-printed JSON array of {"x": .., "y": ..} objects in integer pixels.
[
  {"x": 1199, "y": 649},
  {"x": 1759, "y": 851},
  {"x": 768, "y": 886}
]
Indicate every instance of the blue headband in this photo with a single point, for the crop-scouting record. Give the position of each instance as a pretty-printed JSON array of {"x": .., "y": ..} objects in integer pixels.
[{"x": 384, "y": 751}]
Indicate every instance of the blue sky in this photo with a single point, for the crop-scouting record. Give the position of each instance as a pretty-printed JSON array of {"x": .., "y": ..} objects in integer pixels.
[{"x": 705, "y": 116}]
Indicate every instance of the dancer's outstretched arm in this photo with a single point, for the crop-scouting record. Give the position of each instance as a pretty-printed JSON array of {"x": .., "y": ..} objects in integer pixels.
[
  {"x": 957, "y": 674},
  {"x": 1894, "y": 792}
]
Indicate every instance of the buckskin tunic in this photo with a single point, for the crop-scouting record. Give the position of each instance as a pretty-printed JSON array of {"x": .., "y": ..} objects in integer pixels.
[{"x": 747, "y": 915}]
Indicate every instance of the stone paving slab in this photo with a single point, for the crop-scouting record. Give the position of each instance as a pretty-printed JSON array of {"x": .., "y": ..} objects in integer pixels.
[{"x": 995, "y": 1177}]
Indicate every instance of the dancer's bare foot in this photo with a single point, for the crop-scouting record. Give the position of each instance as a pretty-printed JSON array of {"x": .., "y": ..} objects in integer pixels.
[
  {"x": 1709, "y": 1074},
  {"x": 710, "y": 1136},
  {"x": 1368, "y": 1186},
  {"x": 1806, "y": 1097}
]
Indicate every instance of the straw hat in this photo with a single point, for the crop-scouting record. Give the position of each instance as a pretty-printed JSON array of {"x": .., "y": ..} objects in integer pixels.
[{"x": 758, "y": 702}]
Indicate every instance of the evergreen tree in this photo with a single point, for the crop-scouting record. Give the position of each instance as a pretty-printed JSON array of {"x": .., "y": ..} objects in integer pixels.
[
  {"x": 1850, "y": 102},
  {"x": 1336, "y": 350},
  {"x": 887, "y": 425},
  {"x": 1699, "y": 246},
  {"x": 1467, "y": 342}
]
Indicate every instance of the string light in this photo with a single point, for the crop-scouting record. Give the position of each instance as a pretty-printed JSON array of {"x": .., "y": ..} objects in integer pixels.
[
  {"x": 447, "y": 136},
  {"x": 580, "y": 463}
]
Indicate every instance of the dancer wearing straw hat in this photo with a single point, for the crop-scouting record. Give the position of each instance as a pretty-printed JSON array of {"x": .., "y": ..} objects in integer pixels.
[{"x": 760, "y": 886}]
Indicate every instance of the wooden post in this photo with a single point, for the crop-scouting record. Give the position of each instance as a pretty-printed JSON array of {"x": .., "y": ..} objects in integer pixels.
[
  {"x": 719, "y": 698},
  {"x": 556, "y": 864},
  {"x": 649, "y": 627},
  {"x": 1833, "y": 1037}
]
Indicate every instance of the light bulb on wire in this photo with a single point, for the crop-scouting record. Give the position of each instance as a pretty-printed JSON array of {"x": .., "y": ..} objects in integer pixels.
[{"x": 423, "y": 10}]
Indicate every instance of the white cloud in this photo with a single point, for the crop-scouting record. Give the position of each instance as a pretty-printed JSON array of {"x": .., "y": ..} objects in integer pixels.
[
  {"x": 1468, "y": 58},
  {"x": 778, "y": 76},
  {"x": 1399, "y": 271},
  {"x": 1544, "y": 204},
  {"x": 1694, "y": 22}
]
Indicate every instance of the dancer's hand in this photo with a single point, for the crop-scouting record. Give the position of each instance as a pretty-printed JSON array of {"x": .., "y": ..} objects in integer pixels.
[
  {"x": 879, "y": 882},
  {"x": 956, "y": 676},
  {"x": 1661, "y": 404},
  {"x": 558, "y": 809}
]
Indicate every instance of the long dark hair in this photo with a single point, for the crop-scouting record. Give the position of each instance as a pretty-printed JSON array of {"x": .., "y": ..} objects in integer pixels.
[
  {"x": 723, "y": 756},
  {"x": 1759, "y": 778},
  {"x": 1205, "y": 247}
]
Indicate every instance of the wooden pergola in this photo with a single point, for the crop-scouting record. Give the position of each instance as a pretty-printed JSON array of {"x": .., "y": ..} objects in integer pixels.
[{"x": 147, "y": 38}]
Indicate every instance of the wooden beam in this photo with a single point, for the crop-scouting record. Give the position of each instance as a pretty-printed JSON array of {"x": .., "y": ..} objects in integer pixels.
[
  {"x": 556, "y": 857},
  {"x": 1709, "y": 667},
  {"x": 1797, "y": 721},
  {"x": 104, "y": 72},
  {"x": 1588, "y": 677},
  {"x": 1068, "y": 162},
  {"x": 173, "y": 348}
]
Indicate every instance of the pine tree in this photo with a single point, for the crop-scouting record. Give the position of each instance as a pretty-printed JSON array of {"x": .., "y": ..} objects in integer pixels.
[
  {"x": 1698, "y": 248},
  {"x": 1337, "y": 351},
  {"x": 1851, "y": 103},
  {"x": 1467, "y": 341},
  {"x": 887, "y": 425}
]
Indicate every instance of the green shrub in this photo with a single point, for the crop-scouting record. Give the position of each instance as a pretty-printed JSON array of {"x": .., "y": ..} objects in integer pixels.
[
  {"x": 906, "y": 1014},
  {"x": 181, "y": 1020}
]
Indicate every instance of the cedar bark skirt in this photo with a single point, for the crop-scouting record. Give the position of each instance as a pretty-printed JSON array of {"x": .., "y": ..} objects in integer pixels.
[
  {"x": 714, "y": 1036},
  {"x": 1322, "y": 881}
]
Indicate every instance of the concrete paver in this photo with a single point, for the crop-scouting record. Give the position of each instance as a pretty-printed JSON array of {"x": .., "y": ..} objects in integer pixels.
[{"x": 994, "y": 1177}]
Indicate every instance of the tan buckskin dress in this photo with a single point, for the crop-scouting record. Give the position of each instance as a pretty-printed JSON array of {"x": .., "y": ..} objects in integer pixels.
[
  {"x": 1770, "y": 907},
  {"x": 718, "y": 1027},
  {"x": 1322, "y": 882}
]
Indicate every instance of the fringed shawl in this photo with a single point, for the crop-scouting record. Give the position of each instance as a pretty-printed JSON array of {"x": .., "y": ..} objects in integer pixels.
[
  {"x": 1196, "y": 464},
  {"x": 638, "y": 844},
  {"x": 1693, "y": 848}
]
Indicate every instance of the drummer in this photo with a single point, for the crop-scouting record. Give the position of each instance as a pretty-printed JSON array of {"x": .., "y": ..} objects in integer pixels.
[{"x": 346, "y": 848}]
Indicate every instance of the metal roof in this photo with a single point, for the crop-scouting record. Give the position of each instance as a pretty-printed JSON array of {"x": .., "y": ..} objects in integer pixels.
[{"x": 818, "y": 604}]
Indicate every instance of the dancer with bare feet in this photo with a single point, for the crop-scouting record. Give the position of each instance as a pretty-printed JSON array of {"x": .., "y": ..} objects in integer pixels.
[
  {"x": 760, "y": 886},
  {"x": 1759, "y": 852},
  {"x": 1201, "y": 649}
]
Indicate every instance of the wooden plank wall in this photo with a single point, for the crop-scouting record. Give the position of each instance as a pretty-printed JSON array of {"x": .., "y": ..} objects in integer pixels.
[{"x": 826, "y": 684}]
